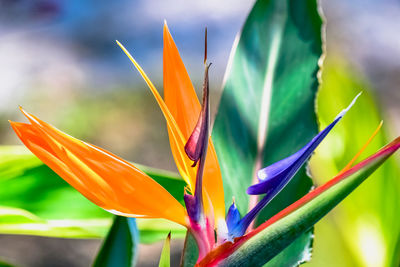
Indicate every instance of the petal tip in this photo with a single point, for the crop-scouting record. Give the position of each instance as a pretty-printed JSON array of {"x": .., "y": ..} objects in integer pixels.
[
  {"x": 166, "y": 33},
  {"x": 344, "y": 111},
  {"x": 14, "y": 126},
  {"x": 252, "y": 190},
  {"x": 26, "y": 114},
  {"x": 21, "y": 109}
]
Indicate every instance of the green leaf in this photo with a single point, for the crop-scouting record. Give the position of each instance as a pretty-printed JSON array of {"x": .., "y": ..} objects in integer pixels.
[
  {"x": 290, "y": 256},
  {"x": 190, "y": 252},
  {"x": 165, "y": 253},
  {"x": 20, "y": 221},
  {"x": 273, "y": 236},
  {"x": 120, "y": 246},
  {"x": 36, "y": 201},
  {"x": 5, "y": 264},
  {"x": 266, "y": 111}
]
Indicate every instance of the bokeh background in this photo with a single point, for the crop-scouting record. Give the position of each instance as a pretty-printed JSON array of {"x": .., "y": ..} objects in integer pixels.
[{"x": 59, "y": 60}]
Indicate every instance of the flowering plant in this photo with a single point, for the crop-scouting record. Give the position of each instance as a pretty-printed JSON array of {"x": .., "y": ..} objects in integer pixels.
[{"x": 260, "y": 118}]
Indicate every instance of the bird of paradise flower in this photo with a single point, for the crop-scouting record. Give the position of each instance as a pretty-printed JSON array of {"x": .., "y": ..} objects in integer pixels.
[{"x": 122, "y": 189}]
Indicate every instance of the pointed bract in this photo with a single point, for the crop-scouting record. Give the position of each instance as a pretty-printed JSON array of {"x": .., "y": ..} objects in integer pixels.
[
  {"x": 198, "y": 140},
  {"x": 196, "y": 149}
]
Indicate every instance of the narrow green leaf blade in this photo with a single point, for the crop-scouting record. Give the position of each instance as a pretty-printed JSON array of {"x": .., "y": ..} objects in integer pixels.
[
  {"x": 120, "y": 246},
  {"x": 261, "y": 245},
  {"x": 165, "y": 260}
]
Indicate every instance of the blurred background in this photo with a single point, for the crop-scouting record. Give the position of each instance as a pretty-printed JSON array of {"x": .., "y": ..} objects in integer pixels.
[{"x": 59, "y": 60}]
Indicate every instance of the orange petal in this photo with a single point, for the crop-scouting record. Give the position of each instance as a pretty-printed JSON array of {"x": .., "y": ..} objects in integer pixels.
[
  {"x": 176, "y": 137},
  {"x": 33, "y": 141},
  {"x": 107, "y": 180},
  {"x": 179, "y": 93},
  {"x": 182, "y": 102}
]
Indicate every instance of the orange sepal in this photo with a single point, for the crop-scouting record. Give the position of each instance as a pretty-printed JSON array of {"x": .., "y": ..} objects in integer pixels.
[
  {"x": 105, "y": 179},
  {"x": 348, "y": 166},
  {"x": 176, "y": 137}
]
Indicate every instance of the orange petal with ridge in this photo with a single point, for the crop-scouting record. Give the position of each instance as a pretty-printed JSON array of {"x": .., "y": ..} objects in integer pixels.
[
  {"x": 105, "y": 179},
  {"x": 183, "y": 104}
]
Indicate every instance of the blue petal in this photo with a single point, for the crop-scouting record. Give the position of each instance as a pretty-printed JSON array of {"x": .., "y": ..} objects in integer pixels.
[
  {"x": 240, "y": 228},
  {"x": 276, "y": 176},
  {"x": 279, "y": 174},
  {"x": 233, "y": 217}
]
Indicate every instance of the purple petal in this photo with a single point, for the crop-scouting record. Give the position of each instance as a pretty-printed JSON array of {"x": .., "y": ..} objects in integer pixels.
[
  {"x": 276, "y": 176},
  {"x": 279, "y": 174},
  {"x": 240, "y": 227}
]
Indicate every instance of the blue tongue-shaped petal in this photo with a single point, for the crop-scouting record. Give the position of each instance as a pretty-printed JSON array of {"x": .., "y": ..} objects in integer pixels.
[
  {"x": 270, "y": 177},
  {"x": 276, "y": 176},
  {"x": 279, "y": 173}
]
